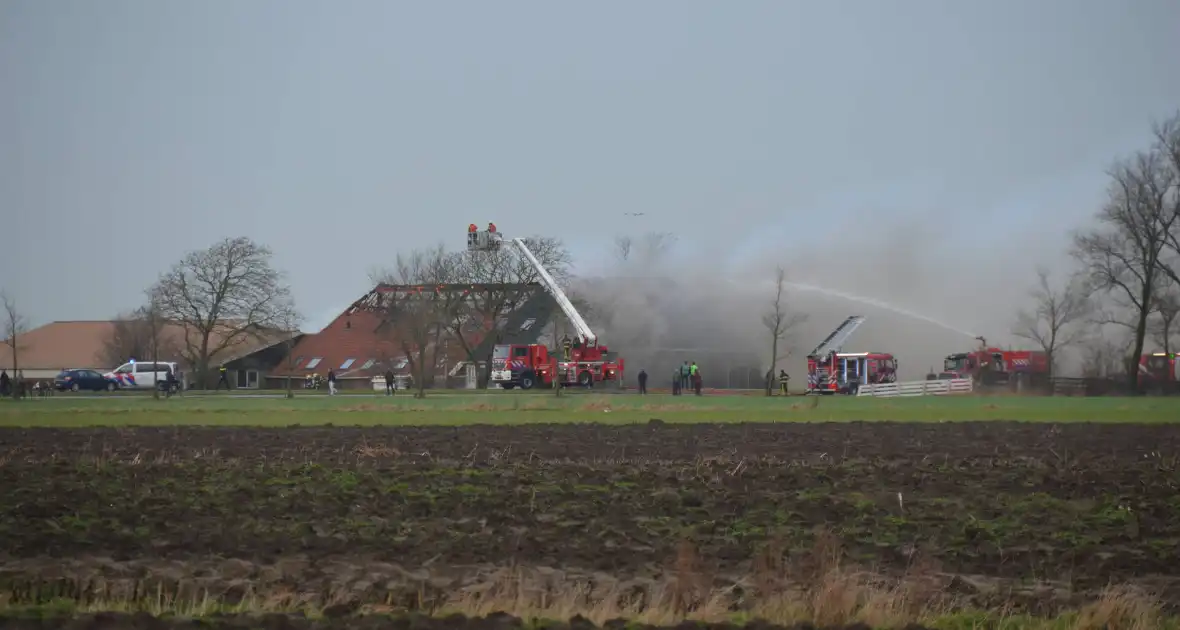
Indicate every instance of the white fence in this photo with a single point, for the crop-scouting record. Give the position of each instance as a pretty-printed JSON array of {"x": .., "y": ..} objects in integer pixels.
[{"x": 918, "y": 388}]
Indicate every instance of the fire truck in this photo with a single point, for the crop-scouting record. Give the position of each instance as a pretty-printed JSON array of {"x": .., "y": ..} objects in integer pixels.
[
  {"x": 1159, "y": 371},
  {"x": 585, "y": 363},
  {"x": 830, "y": 371},
  {"x": 995, "y": 365}
]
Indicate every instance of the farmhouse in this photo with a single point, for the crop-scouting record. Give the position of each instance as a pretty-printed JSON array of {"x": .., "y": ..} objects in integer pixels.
[
  {"x": 49, "y": 349},
  {"x": 361, "y": 343}
]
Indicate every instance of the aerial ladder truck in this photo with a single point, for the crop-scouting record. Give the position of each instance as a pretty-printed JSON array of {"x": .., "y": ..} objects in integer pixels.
[
  {"x": 531, "y": 365},
  {"x": 830, "y": 371}
]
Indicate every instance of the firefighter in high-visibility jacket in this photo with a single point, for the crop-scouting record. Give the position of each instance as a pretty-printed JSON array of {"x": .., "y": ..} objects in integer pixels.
[
  {"x": 784, "y": 379},
  {"x": 566, "y": 346}
]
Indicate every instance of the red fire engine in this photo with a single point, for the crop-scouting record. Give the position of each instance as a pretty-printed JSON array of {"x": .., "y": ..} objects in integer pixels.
[
  {"x": 995, "y": 365},
  {"x": 1159, "y": 368},
  {"x": 830, "y": 371},
  {"x": 585, "y": 361}
]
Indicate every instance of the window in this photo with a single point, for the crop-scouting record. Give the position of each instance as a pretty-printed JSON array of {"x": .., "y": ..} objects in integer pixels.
[
  {"x": 247, "y": 379},
  {"x": 126, "y": 368},
  {"x": 522, "y": 351},
  {"x": 528, "y": 323},
  {"x": 401, "y": 364},
  {"x": 500, "y": 352},
  {"x": 368, "y": 364},
  {"x": 298, "y": 360},
  {"x": 145, "y": 368},
  {"x": 347, "y": 364},
  {"x": 314, "y": 362}
]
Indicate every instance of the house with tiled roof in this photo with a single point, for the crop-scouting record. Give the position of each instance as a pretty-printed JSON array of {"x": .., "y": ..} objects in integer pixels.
[
  {"x": 360, "y": 344},
  {"x": 44, "y": 351}
]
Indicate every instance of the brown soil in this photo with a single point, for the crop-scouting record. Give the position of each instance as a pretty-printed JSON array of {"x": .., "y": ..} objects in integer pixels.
[{"x": 404, "y": 516}]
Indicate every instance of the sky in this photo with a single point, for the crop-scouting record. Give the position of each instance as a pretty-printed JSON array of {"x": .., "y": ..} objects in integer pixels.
[{"x": 860, "y": 142}]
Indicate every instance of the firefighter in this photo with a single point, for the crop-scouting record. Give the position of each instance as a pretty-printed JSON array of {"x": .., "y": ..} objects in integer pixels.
[
  {"x": 783, "y": 380},
  {"x": 566, "y": 345},
  {"x": 471, "y": 229},
  {"x": 491, "y": 227},
  {"x": 642, "y": 381},
  {"x": 685, "y": 371},
  {"x": 221, "y": 379}
]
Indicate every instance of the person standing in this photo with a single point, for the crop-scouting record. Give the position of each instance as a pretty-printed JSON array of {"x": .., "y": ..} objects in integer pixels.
[
  {"x": 696, "y": 380},
  {"x": 642, "y": 382},
  {"x": 331, "y": 382},
  {"x": 676, "y": 376},
  {"x": 389, "y": 382},
  {"x": 221, "y": 379},
  {"x": 784, "y": 379},
  {"x": 685, "y": 372}
]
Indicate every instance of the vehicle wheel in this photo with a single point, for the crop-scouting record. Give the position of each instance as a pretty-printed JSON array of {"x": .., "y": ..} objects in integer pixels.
[
  {"x": 74, "y": 387},
  {"x": 527, "y": 381},
  {"x": 508, "y": 385},
  {"x": 112, "y": 387},
  {"x": 586, "y": 379}
]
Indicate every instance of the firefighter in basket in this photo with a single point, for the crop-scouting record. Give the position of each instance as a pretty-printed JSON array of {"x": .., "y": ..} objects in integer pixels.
[{"x": 566, "y": 346}]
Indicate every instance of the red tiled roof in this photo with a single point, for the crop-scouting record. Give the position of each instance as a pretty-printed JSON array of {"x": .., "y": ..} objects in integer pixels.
[{"x": 81, "y": 344}]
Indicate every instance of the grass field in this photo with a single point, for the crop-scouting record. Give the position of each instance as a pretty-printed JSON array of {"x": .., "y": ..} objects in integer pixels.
[{"x": 455, "y": 408}]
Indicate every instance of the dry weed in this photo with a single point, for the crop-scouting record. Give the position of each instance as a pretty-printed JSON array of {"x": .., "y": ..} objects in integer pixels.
[{"x": 1121, "y": 608}]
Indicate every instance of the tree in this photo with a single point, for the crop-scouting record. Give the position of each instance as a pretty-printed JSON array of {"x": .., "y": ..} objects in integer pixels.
[
  {"x": 416, "y": 318},
  {"x": 501, "y": 278},
  {"x": 222, "y": 296},
  {"x": 1055, "y": 321},
  {"x": 1123, "y": 254},
  {"x": 14, "y": 326},
  {"x": 132, "y": 337},
  {"x": 1167, "y": 146},
  {"x": 1166, "y": 308},
  {"x": 291, "y": 323},
  {"x": 1103, "y": 357},
  {"x": 779, "y": 322}
]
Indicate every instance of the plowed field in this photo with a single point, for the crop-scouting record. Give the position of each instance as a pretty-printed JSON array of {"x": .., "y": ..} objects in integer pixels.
[{"x": 408, "y": 517}]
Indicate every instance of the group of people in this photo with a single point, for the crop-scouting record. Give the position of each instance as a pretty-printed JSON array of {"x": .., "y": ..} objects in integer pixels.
[{"x": 687, "y": 376}]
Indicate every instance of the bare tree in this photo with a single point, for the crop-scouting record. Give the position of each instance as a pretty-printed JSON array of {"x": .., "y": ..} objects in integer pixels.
[
  {"x": 292, "y": 320},
  {"x": 647, "y": 249},
  {"x": 221, "y": 297},
  {"x": 501, "y": 278},
  {"x": 1056, "y": 319},
  {"x": 1103, "y": 357},
  {"x": 779, "y": 322},
  {"x": 132, "y": 337},
  {"x": 417, "y": 318},
  {"x": 14, "y": 326},
  {"x": 1166, "y": 308},
  {"x": 1122, "y": 255},
  {"x": 1167, "y": 188}
]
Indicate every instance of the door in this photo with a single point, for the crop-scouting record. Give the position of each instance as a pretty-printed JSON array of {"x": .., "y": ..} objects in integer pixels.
[
  {"x": 145, "y": 375},
  {"x": 470, "y": 376}
]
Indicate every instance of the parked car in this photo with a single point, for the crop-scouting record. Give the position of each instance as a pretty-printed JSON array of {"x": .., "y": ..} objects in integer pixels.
[
  {"x": 138, "y": 375},
  {"x": 80, "y": 381}
]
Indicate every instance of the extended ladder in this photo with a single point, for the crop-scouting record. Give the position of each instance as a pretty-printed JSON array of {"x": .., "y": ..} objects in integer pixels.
[
  {"x": 547, "y": 281},
  {"x": 836, "y": 340}
]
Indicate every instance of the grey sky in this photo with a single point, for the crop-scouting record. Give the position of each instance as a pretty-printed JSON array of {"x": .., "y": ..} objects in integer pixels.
[{"x": 341, "y": 132}]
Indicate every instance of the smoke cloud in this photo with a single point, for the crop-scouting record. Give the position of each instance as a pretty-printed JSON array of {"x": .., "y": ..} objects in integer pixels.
[{"x": 659, "y": 306}]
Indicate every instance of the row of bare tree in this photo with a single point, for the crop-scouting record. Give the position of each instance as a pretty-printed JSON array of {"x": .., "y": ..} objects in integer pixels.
[
  {"x": 1127, "y": 281},
  {"x": 208, "y": 302}
]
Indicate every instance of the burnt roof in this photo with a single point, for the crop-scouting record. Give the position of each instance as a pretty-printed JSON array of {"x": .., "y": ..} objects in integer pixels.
[{"x": 358, "y": 334}]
